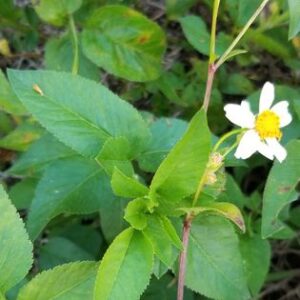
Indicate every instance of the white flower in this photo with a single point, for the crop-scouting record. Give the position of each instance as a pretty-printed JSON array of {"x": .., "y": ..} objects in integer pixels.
[{"x": 263, "y": 132}]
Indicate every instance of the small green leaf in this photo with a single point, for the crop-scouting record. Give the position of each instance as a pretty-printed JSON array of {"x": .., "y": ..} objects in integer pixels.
[
  {"x": 234, "y": 53},
  {"x": 8, "y": 100},
  {"x": 136, "y": 213},
  {"x": 161, "y": 241},
  {"x": 70, "y": 281},
  {"x": 257, "y": 255},
  {"x": 56, "y": 11},
  {"x": 280, "y": 189},
  {"x": 124, "y": 42},
  {"x": 179, "y": 174},
  {"x": 214, "y": 247},
  {"x": 194, "y": 29},
  {"x": 126, "y": 267},
  {"x": 22, "y": 136},
  {"x": 294, "y": 9},
  {"x": 74, "y": 185},
  {"x": 127, "y": 187},
  {"x": 59, "y": 55},
  {"x": 15, "y": 248},
  {"x": 81, "y": 113},
  {"x": 227, "y": 210}
]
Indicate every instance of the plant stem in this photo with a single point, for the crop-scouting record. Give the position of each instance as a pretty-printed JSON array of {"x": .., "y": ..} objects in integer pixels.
[
  {"x": 73, "y": 31},
  {"x": 209, "y": 84},
  {"x": 241, "y": 34},
  {"x": 212, "y": 48},
  {"x": 182, "y": 260},
  {"x": 225, "y": 137}
]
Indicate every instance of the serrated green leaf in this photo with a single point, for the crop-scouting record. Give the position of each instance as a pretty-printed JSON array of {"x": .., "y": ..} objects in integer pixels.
[
  {"x": 294, "y": 9},
  {"x": 180, "y": 172},
  {"x": 127, "y": 187},
  {"x": 126, "y": 267},
  {"x": 59, "y": 54},
  {"x": 70, "y": 281},
  {"x": 40, "y": 154},
  {"x": 214, "y": 247},
  {"x": 136, "y": 213},
  {"x": 257, "y": 255},
  {"x": 280, "y": 189},
  {"x": 161, "y": 241},
  {"x": 81, "y": 113},
  {"x": 8, "y": 100},
  {"x": 75, "y": 185},
  {"x": 15, "y": 248},
  {"x": 124, "y": 42},
  {"x": 55, "y": 12}
]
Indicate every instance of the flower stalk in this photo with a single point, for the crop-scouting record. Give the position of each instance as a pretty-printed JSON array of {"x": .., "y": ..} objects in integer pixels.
[{"x": 73, "y": 31}]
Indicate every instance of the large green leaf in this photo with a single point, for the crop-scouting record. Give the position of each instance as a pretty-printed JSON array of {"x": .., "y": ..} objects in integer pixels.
[
  {"x": 79, "y": 112},
  {"x": 280, "y": 190},
  {"x": 124, "y": 42},
  {"x": 214, "y": 264},
  {"x": 59, "y": 55},
  {"x": 70, "y": 281},
  {"x": 15, "y": 247},
  {"x": 40, "y": 154},
  {"x": 180, "y": 172},
  {"x": 56, "y": 11},
  {"x": 75, "y": 185},
  {"x": 294, "y": 9},
  {"x": 257, "y": 254},
  {"x": 194, "y": 29},
  {"x": 126, "y": 267}
]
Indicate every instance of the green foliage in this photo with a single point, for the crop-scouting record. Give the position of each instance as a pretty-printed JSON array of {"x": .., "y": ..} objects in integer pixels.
[
  {"x": 67, "y": 186},
  {"x": 214, "y": 247},
  {"x": 124, "y": 43},
  {"x": 55, "y": 12},
  {"x": 108, "y": 188},
  {"x": 195, "y": 30},
  {"x": 75, "y": 100},
  {"x": 180, "y": 172},
  {"x": 69, "y": 281},
  {"x": 294, "y": 9},
  {"x": 125, "y": 269},
  {"x": 15, "y": 248},
  {"x": 280, "y": 190}
]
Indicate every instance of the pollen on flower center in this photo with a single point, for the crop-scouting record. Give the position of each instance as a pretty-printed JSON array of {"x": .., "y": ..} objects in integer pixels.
[{"x": 267, "y": 125}]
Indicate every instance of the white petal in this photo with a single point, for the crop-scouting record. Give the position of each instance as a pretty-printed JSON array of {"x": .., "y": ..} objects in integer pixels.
[
  {"x": 265, "y": 150},
  {"x": 278, "y": 150},
  {"x": 248, "y": 145},
  {"x": 281, "y": 109},
  {"x": 267, "y": 96},
  {"x": 240, "y": 115}
]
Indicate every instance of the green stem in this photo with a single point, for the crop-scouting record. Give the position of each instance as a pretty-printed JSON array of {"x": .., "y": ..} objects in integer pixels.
[
  {"x": 73, "y": 31},
  {"x": 225, "y": 137},
  {"x": 212, "y": 51},
  {"x": 222, "y": 59},
  {"x": 230, "y": 149}
]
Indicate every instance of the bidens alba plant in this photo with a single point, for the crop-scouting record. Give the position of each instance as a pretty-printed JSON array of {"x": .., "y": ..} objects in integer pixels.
[{"x": 262, "y": 131}]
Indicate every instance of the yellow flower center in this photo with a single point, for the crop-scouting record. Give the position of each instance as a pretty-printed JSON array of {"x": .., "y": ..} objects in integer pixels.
[{"x": 267, "y": 125}]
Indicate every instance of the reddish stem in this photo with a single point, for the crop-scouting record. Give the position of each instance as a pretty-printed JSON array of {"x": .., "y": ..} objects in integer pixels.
[
  {"x": 182, "y": 259},
  {"x": 209, "y": 83}
]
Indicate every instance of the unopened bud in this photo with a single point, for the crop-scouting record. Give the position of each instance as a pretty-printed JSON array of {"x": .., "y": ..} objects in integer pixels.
[{"x": 215, "y": 161}]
